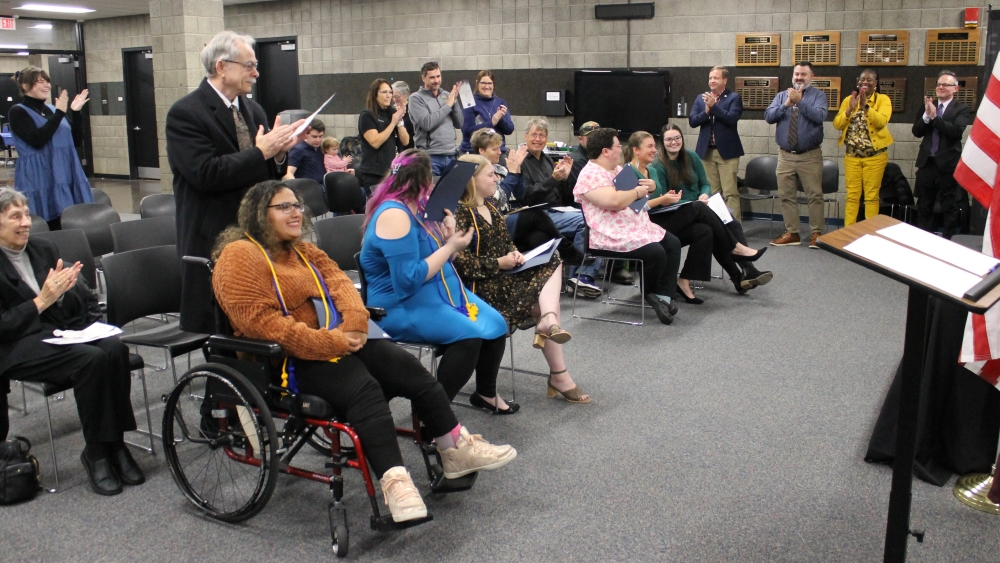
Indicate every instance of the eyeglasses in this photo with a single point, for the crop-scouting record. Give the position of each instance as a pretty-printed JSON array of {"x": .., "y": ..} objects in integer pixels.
[
  {"x": 481, "y": 83},
  {"x": 381, "y": 92},
  {"x": 945, "y": 85},
  {"x": 250, "y": 66},
  {"x": 286, "y": 207},
  {"x": 672, "y": 139}
]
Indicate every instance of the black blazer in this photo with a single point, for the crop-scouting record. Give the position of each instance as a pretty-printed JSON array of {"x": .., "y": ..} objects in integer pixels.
[
  {"x": 957, "y": 116},
  {"x": 210, "y": 177},
  {"x": 22, "y": 328}
]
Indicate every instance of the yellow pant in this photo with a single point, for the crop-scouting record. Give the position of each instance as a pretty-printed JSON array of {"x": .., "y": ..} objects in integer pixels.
[{"x": 863, "y": 174}]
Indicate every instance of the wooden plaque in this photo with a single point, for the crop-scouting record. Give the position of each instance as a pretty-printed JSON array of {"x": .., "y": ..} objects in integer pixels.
[
  {"x": 952, "y": 47},
  {"x": 821, "y": 48},
  {"x": 883, "y": 48},
  {"x": 758, "y": 49},
  {"x": 830, "y": 85},
  {"x": 895, "y": 88},
  {"x": 757, "y": 92}
]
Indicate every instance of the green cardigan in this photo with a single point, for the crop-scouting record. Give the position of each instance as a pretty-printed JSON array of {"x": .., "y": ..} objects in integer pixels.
[{"x": 689, "y": 192}]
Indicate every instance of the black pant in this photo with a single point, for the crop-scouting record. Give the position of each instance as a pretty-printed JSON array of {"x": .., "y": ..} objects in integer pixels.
[
  {"x": 359, "y": 386},
  {"x": 99, "y": 375},
  {"x": 701, "y": 230},
  {"x": 462, "y": 357},
  {"x": 660, "y": 261},
  {"x": 934, "y": 183}
]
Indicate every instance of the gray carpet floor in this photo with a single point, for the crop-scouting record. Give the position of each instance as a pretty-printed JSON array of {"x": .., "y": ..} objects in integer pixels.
[{"x": 736, "y": 434}]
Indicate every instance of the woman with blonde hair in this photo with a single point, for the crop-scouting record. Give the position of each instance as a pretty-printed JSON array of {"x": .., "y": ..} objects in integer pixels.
[{"x": 531, "y": 294}]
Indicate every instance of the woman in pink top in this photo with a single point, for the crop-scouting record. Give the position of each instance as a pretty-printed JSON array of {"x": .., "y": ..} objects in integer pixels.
[{"x": 620, "y": 232}]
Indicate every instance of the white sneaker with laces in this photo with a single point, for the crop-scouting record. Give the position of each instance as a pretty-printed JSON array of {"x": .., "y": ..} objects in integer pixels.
[
  {"x": 473, "y": 453},
  {"x": 401, "y": 496}
]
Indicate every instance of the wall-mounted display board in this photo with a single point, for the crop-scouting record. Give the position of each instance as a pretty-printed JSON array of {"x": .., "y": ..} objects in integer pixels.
[
  {"x": 758, "y": 49},
  {"x": 895, "y": 88},
  {"x": 952, "y": 47},
  {"x": 830, "y": 85},
  {"x": 887, "y": 47},
  {"x": 757, "y": 91},
  {"x": 967, "y": 87},
  {"x": 821, "y": 48}
]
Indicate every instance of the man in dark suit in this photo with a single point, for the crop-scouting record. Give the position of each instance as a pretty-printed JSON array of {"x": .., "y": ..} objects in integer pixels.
[
  {"x": 218, "y": 146},
  {"x": 941, "y": 126},
  {"x": 717, "y": 112},
  {"x": 37, "y": 296}
]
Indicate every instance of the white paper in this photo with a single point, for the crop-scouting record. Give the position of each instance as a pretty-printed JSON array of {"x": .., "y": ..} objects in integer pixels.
[
  {"x": 96, "y": 331},
  {"x": 310, "y": 119},
  {"x": 552, "y": 96},
  {"x": 465, "y": 92},
  {"x": 539, "y": 249},
  {"x": 942, "y": 249},
  {"x": 913, "y": 264},
  {"x": 718, "y": 205},
  {"x": 564, "y": 209}
]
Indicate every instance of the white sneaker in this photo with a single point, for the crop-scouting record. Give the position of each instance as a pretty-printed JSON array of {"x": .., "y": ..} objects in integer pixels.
[
  {"x": 472, "y": 454},
  {"x": 401, "y": 496}
]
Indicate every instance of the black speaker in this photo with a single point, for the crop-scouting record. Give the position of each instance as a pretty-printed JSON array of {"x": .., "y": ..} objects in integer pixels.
[{"x": 641, "y": 11}]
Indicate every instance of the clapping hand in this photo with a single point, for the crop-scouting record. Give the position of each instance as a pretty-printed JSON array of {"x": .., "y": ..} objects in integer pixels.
[
  {"x": 58, "y": 281},
  {"x": 79, "y": 100},
  {"x": 62, "y": 101},
  {"x": 930, "y": 107},
  {"x": 400, "y": 112},
  {"x": 561, "y": 170},
  {"x": 279, "y": 139},
  {"x": 646, "y": 186},
  {"x": 453, "y": 95},
  {"x": 515, "y": 158},
  {"x": 501, "y": 111},
  {"x": 794, "y": 96},
  {"x": 710, "y": 100}
]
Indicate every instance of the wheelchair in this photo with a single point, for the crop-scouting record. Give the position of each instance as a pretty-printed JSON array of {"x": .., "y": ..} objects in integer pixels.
[{"x": 224, "y": 449}]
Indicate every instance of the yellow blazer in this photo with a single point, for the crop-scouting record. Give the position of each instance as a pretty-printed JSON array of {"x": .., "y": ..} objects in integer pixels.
[{"x": 879, "y": 112}]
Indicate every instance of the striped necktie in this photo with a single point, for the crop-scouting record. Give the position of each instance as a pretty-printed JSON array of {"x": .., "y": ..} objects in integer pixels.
[
  {"x": 793, "y": 129},
  {"x": 242, "y": 132}
]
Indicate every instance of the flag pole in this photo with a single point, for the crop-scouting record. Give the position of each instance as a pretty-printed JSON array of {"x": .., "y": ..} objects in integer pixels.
[{"x": 971, "y": 490}]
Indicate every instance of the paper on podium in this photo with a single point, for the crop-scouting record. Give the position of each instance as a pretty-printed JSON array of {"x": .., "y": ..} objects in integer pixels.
[
  {"x": 718, "y": 205},
  {"x": 536, "y": 256},
  {"x": 301, "y": 128},
  {"x": 942, "y": 249},
  {"x": 913, "y": 264},
  {"x": 96, "y": 331}
]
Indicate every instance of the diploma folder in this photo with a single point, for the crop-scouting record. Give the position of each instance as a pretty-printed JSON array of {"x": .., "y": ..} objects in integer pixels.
[
  {"x": 536, "y": 257},
  {"x": 627, "y": 180},
  {"x": 449, "y": 190}
]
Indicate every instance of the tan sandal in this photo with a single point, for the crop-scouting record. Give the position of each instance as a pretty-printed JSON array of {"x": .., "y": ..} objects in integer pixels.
[
  {"x": 573, "y": 395},
  {"x": 555, "y": 334}
]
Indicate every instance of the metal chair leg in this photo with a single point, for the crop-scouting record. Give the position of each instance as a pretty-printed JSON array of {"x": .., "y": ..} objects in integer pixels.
[
  {"x": 23, "y": 409},
  {"x": 151, "y": 450},
  {"x": 52, "y": 446}
]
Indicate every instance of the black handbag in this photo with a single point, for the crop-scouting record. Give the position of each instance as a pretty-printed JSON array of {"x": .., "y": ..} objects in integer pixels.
[{"x": 19, "y": 478}]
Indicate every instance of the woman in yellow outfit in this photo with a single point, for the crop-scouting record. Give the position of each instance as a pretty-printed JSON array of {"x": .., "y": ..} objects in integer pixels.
[{"x": 862, "y": 122}]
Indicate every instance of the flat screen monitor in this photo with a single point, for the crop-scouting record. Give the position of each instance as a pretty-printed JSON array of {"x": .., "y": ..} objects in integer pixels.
[{"x": 625, "y": 100}]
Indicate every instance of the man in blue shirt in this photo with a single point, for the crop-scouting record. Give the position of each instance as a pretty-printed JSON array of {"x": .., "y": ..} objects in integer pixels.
[
  {"x": 305, "y": 160},
  {"x": 799, "y": 113}
]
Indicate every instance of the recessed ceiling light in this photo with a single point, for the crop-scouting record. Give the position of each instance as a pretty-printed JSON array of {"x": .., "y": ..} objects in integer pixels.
[
  {"x": 56, "y": 9},
  {"x": 13, "y": 46},
  {"x": 42, "y": 26}
]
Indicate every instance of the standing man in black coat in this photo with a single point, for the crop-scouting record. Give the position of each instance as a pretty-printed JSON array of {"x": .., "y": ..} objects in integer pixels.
[
  {"x": 218, "y": 146},
  {"x": 941, "y": 126}
]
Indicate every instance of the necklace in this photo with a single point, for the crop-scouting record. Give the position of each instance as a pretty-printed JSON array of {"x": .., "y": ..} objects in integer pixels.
[{"x": 464, "y": 306}]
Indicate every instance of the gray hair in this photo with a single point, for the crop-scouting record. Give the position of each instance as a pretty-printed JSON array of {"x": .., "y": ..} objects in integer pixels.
[
  {"x": 401, "y": 87},
  {"x": 10, "y": 196},
  {"x": 537, "y": 123},
  {"x": 224, "y": 46}
]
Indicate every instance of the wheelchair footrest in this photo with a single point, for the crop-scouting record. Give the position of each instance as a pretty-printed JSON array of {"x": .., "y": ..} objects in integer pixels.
[
  {"x": 463, "y": 483},
  {"x": 385, "y": 523}
]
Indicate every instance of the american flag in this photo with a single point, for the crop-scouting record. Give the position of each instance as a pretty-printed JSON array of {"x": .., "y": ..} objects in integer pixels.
[{"x": 977, "y": 172}]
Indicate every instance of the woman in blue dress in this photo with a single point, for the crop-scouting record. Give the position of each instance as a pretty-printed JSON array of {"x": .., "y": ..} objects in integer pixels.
[
  {"x": 48, "y": 169},
  {"x": 409, "y": 273}
]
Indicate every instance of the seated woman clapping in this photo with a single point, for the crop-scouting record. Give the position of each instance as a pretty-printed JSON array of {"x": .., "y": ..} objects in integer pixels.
[
  {"x": 271, "y": 284},
  {"x": 529, "y": 294},
  {"x": 407, "y": 264},
  {"x": 620, "y": 232},
  {"x": 694, "y": 223}
]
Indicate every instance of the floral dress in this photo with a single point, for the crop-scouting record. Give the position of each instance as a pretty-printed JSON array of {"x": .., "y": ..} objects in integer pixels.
[{"x": 513, "y": 295}]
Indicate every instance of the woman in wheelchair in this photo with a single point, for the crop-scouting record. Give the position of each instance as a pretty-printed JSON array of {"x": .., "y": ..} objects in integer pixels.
[
  {"x": 530, "y": 295},
  {"x": 274, "y": 286},
  {"x": 408, "y": 269}
]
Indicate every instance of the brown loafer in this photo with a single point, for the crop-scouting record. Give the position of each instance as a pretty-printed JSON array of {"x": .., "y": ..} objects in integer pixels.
[
  {"x": 813, "y": 239},
  {"x": 787, "y": 239}
]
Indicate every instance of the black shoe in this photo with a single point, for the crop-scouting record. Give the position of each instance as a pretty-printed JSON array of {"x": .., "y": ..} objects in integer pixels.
[
  {"x": 754, "y": 258},
  {"x": 757, "y": 277},
  {"x": 660, "y": 308},
  {"x": 477, "y": 401},
  {"x": 102, "y": 476},
  {"x": 622, "y": 276},
  {"x": 690, "y": 300},
  {"x": 128, "y": 469}
]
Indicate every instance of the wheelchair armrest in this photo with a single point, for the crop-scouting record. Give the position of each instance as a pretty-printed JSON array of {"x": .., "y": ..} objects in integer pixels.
[
  {"x": 376, "y": 313},
  {"x": 245, "y": 345}
]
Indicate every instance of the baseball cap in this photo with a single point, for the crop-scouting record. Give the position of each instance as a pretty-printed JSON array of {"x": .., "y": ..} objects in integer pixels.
[{"x": 588, "y": 128}]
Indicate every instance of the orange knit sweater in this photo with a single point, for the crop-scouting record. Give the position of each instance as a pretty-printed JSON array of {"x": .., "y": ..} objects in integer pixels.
[{"x": 245, "y": 291}]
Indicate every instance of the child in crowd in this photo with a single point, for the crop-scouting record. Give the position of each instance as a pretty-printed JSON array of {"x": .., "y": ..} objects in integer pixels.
[{"x": 331, "y": 156}]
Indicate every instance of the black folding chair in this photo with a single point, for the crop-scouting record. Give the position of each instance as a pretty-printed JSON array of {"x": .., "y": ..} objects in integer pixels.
[
  {"x": 158, "y": 205},
  {"x": 761, "y": 177},
  {"x": 340, "y": 238},
  {"x": 100, "y": 196},
  {"x": 312, "y": 195},
  {"x": 95, "y": 220},
  {"x": 38, "y": 225},
  {"x": 144, "y": 233},
  {"x": 344, "y": 193}
]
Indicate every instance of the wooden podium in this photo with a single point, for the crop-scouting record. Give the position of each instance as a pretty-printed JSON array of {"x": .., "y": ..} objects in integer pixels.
[{"x": 897, "y": 530}]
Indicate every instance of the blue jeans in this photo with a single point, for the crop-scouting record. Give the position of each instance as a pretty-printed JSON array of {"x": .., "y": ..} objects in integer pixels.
[
  {"x": 439, "y": 161},
  {"x": 570, "y": 224}
]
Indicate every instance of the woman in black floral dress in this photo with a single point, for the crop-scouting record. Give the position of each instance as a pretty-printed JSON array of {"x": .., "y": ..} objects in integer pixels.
[{"x": 530, "y": 294}]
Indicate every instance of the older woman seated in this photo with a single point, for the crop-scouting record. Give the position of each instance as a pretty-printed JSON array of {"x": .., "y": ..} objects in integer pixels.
[
  {"x": 407, "y": 264},
  {"x": 37, "y": 296},
  {"x": 620, "y": 232},
  {"x": 526, "y": 295},
  {"x": 272, "y": 285}
]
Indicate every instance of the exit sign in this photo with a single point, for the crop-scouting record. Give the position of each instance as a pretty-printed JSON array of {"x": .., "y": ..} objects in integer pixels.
[{"x": 7, "y": 23}]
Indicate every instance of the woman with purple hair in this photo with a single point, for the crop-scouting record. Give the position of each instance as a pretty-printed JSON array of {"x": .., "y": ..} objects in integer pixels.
[{"x": 409, "y": 273}]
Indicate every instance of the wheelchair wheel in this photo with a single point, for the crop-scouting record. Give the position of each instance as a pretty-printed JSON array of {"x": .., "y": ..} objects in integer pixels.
[
  {"x": 340, "y": 539},
  {"x": 221, "y": 453}
]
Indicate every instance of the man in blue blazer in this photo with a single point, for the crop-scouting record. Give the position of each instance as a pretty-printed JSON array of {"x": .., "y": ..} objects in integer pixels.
[{"x": 717, "y": 113}]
